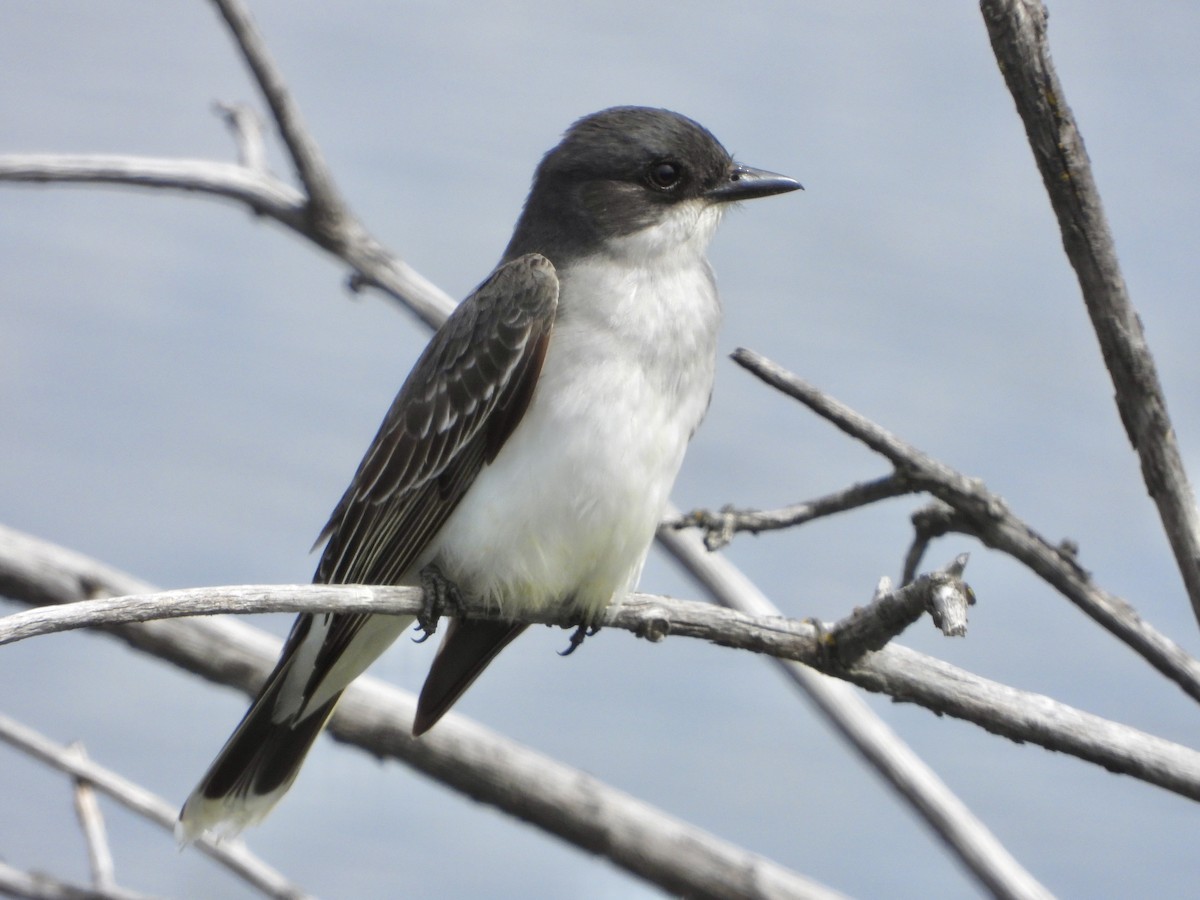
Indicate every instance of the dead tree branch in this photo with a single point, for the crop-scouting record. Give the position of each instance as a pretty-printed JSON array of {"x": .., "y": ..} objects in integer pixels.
[
  {"x": 232, "y": 854},
  {"x": 992, "y": 523},
  {"x": 1017, "y": 29},
  {"x": 39, "y": 886},
  {"x": 720, "y": 527},
  {"x": 461, "y": 754},
  {"x": 974, "y": 845},
  {"x": 646, "y": 615},
  {"x": 91, "y": 821}
]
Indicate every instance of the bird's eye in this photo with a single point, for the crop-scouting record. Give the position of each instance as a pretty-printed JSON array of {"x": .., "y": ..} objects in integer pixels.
[{"x": 665, "y": 174}]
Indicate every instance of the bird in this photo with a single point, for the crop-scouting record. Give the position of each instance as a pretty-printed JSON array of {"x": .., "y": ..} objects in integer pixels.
[{"x": 528, "y": 457}]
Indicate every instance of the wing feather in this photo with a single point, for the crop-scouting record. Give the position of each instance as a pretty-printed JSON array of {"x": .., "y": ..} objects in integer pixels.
[{"x": 465, "y": 396}]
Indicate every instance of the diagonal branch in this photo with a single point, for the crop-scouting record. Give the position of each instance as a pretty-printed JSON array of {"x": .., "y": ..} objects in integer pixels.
[
  {"x": 908, "y": 675},
  {"x": 325, "y": 206},
  {"x": 970, "y": 840},
  {"x": 329, "y": 222},
  {"x": 232, "y": 854},
  {"x": 993, "y": 523},
  {"x": 1017, "y": 29},
  {"x": 91, "y": 821}
]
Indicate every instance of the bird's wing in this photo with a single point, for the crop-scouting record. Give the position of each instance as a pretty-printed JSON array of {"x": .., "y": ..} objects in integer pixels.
[
  {"x": 466, "y": 394},
  {"x": 462, "y": 400}
]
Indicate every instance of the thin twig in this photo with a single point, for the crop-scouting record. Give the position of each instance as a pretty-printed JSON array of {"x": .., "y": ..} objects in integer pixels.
[
  {"x": 943, "y": 594},
  {"x": 91, "y": 820},
  {"x": 720, "y": 527},
  {"x": 993, "y": 523},
  {"x": 926, "y": 528},
  {"x": 247, "y": 127},
  {"x": 1017, "y": 29},
  {"x": 232, "y": 854}
]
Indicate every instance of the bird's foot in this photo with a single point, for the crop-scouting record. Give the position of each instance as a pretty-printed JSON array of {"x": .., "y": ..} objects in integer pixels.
[
  {"x": 583, "y": 631},
  {"x": 441, "y": 596}
]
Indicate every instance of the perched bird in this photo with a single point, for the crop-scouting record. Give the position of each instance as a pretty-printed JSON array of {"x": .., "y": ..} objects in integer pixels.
[{"x": 529, "y": 455}]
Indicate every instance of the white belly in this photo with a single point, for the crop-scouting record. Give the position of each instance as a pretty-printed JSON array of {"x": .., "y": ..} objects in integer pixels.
[{"x": 568, "y": 509}]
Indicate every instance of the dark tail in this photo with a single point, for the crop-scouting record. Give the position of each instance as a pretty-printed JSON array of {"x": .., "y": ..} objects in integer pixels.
[
  {"x": 254, "y": 769},
  {"x": 467, "y": 648}
]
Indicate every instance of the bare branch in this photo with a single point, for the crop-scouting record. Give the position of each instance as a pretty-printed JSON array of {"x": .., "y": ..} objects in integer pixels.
[
  {"x": 230, "y": 653},
  {"x": 325, "y": 204},
  {"x": 328, "y": 220},
  {"x": 264, "y": 194},
  {"x": 910, "y": 676},
  {"x": 37, "y": 886},
  {"x": 676, "y": 856},
  {"x": 646, "y": 615},
  {"x": 373, "y": 266},
  {"x": 1017, "y": 29},
  {"x": 834, "y": 649},
  {"x": 473, "y": 760},
  {"x": 318, "y": 213},
  {"x": 91, "y": 820},
  {"x": 906, "y": 675},
  {"x": 926, "y": 528},
  {"x": 232, "y": 854},
  {"x": 720, "y": 527},
  {"x": 992, "y": 523}
]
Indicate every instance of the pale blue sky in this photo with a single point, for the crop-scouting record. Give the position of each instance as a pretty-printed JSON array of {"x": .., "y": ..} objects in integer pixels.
[{"x": 185, "y": 392}]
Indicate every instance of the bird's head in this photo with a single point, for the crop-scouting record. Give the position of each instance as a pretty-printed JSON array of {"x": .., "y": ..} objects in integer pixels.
[{"x": 624, "y": 170}]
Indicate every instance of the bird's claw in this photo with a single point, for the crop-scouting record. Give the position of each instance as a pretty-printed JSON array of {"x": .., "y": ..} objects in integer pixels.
[
  {"x": 441, "y": 595},
  {"x": 581, "y": 633}
]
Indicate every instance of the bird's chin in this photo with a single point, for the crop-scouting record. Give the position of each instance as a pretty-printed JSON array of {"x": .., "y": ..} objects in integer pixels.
[{"x": 683, "y": 233}]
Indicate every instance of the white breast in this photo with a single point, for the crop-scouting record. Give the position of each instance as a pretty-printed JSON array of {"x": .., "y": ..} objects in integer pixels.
[{"x": 569, "y": 506}]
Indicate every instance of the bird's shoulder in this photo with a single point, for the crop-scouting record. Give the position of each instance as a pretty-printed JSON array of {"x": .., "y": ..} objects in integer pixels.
[
  {"x": 467, "y": 392},
  {"x": 479, "y": 351}
]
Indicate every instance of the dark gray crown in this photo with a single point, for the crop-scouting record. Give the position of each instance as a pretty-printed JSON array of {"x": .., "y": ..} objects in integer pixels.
[{"x": 613, "y": 173}]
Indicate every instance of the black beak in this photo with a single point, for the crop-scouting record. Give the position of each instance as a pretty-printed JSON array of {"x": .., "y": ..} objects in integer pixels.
[{"x": 746, "y": 183}]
